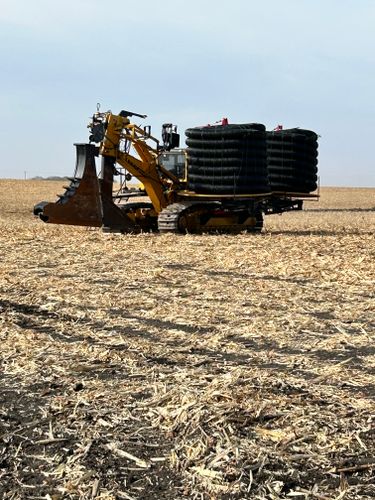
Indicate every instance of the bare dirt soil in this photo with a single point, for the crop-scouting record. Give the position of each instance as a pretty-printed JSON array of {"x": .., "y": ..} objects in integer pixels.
[{"x": 167, "y": 367}]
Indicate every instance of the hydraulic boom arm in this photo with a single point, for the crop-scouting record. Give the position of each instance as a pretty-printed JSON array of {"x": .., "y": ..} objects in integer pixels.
[{"x": 120, "y": 132}]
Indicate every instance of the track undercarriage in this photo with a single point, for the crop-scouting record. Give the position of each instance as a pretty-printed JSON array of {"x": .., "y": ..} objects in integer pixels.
[{"x": 208, "y": 217}]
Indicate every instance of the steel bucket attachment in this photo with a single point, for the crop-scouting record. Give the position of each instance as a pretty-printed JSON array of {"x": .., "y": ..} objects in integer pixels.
[
  {"x": 80, "y": 205},
  {"x": 88, "y": 201}
]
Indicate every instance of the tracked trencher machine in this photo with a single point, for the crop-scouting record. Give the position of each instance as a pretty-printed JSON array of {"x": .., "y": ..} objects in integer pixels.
[{"x": 226, "y": 180}]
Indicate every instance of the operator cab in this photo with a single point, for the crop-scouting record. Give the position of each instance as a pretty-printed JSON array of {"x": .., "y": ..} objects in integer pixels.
[{"x": 174, "y": 161}]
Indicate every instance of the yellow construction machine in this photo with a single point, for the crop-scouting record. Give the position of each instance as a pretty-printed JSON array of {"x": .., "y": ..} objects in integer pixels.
[{"x": 169, "y": 203}]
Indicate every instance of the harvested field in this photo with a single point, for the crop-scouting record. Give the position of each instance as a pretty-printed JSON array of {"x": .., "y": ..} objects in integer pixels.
[{"x": 207, "y": 367}]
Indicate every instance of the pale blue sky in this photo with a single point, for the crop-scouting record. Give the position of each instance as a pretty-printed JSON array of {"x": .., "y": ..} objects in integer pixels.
[{"x": 306, "y": 63}]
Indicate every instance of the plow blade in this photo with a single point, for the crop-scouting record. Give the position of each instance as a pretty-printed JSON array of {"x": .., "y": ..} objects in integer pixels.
[
  {"x": 87, "y": 201},
  {"x": 80, "y": 205},
  {"x": 114, "y": 219}
]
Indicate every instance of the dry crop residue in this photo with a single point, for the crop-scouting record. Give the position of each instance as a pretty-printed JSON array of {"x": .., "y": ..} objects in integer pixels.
[{"x": 174, "y": 367}]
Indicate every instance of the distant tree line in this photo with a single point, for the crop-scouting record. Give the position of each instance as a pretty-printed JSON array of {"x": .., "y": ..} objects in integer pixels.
[{"x": 50, "y": 178}]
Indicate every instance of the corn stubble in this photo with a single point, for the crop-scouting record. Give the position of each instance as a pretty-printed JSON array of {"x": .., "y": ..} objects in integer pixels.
[{"x": 188, "y": 366}]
